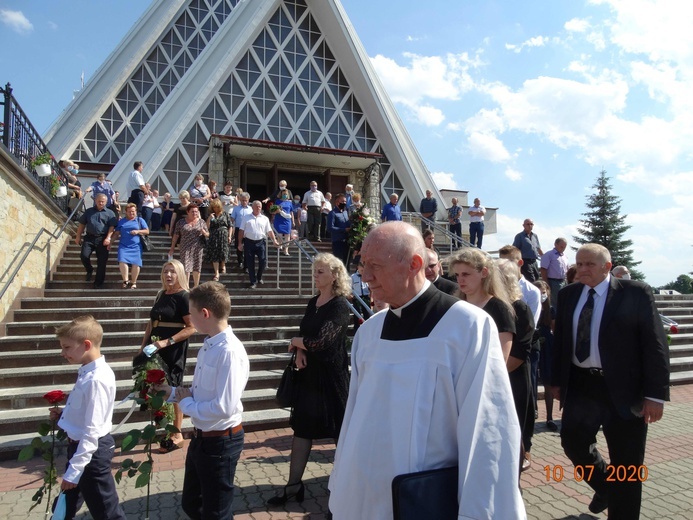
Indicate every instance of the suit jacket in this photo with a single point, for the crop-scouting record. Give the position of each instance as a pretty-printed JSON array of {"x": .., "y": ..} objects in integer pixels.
[
  {"x": 632, "y": 344},
  {"x": 447, "y": 286}
]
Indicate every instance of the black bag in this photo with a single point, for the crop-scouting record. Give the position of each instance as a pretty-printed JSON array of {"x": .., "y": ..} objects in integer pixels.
[
  {"x": 144, "y": 239},
  {"x": 426, "y": 494},
  {"x": 286, "y": 393}
]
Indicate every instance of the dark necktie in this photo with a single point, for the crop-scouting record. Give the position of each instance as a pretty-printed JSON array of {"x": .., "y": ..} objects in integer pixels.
[{"x": 584, "y": 329}]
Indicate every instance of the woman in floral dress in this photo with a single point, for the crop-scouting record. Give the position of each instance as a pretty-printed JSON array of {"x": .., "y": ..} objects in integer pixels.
[{"x": 190, "y": 232}]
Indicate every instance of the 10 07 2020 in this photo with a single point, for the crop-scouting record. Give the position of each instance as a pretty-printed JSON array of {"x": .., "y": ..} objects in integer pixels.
[{"x": 614, "y": 473}]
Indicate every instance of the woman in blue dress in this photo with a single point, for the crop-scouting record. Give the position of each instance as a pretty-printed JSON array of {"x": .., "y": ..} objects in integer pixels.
[
  {"x": 284, "y": 218},
  {"x": 130, "y": 248}
]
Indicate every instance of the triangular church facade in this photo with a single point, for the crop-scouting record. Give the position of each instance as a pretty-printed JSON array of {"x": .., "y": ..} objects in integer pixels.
[{"x": 251, "y": 91}]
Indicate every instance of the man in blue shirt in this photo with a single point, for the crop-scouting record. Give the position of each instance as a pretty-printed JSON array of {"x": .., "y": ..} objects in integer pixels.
[
  {"x": 428, "y": 209},
  {"x": 391, "y": 211},
  {"x": 338, "y": 223},
  {"x": 528, "y": 244}
]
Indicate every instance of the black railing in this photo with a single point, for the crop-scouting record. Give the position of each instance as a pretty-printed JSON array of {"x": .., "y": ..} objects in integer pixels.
[{"x": 24, "y": 142}]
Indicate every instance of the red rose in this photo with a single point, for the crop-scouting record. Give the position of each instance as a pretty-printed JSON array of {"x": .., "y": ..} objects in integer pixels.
[
  {"x": 156, "y": 376},
  {"x": 159, "y": 415},
  {"x": 55, "y": 396}
]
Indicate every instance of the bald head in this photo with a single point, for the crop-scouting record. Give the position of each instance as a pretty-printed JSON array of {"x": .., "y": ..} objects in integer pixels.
[{"x": 394, "y": 259}]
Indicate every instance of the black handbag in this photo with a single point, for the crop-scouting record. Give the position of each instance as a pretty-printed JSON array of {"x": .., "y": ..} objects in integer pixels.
[
  {"x": 426, "y": 494},
  {"x": 286, "y": 393},
  {"x": 144, "y": 239}
]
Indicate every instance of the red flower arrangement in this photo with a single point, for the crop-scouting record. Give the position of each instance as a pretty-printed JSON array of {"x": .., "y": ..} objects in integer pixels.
[
  {"x": 155, "y": 377},
  {"x": 47, "y": 449}
]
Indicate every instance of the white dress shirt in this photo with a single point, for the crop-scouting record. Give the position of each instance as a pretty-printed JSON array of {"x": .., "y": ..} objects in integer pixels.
[
  {"x": 220, "y": 377},
  {"x": 88, "y": 414},
  {"x": 601, "y": 290},
  {"x": 256, "y": 227},
  {"x": 314, "y": 198},
  {"x": 135, "y": 180},
  {"x": 531, "y": 295}
]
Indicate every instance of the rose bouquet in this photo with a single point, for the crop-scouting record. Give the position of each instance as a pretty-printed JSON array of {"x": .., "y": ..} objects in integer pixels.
[
  {"x": 361, "y": 223},
  {"x": 47, "y": 448}
]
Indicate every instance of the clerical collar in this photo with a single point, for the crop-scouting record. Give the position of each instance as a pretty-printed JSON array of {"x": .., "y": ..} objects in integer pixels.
[{"x": 398, "y": 311}]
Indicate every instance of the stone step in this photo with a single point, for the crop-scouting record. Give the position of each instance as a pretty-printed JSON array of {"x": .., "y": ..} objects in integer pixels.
[
  {"x": 134, "y": 338},
  {"x": 669, "y": 312},
  {"x": 265, "y": 368},
  {"x": 77, "y": 299},
  {"x": 112, "y": 286},
  {"x": 51, "y": 357},
  {"x": 31, "y": 328},
  {"x": 10, "y": 444},
  {"x": 128, "y": 312}
]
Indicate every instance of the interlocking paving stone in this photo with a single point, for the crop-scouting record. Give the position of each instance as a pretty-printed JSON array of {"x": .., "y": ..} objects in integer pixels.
[{"x": 264, "y": 465}]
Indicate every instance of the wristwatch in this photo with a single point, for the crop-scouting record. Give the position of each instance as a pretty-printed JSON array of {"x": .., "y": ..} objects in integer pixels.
[{"x": 171, "y": 341}]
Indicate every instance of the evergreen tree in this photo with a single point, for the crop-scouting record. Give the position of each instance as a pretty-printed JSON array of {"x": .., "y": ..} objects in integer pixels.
[
  {"x": 683, "y": 284},
  {"x": 603, "y": 224}
]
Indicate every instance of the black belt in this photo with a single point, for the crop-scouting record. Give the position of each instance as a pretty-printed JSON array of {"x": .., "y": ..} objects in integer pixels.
[
  {"x": 529, "y": 260},
  {"x": 89, "y": 235},
  {"x": 254, "y": 241},
  {"x": 591, "y": 371},
  {"x": 557, "y": 279}
]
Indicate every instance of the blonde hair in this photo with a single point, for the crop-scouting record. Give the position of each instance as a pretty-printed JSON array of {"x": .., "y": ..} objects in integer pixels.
[
  {"x": 510, "y": 274},
  {"x": 179, "y": 268},
  {"x": 342, "y": 282},
  {"x": 216, "y": 206},
  {"x": 80, "y": 329},
  {"x": 184, "y": 194},
  {"x": 355, "y": 197},
  {"x": 477, "y": 259}
]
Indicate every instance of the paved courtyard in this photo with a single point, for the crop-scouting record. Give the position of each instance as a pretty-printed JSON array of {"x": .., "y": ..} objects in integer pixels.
[{"x": 668, "y": 491}]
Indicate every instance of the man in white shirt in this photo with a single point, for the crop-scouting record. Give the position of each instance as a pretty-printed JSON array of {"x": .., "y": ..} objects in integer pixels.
[
  {"x": 324, "y": 212},
  {"x": 137, "y": 187},
  {"x": 476, "y": 223},
  {"x": 460, "y": 410},
  {"x": 252, "y": 235},
  {"x": 313, "y": 201}
]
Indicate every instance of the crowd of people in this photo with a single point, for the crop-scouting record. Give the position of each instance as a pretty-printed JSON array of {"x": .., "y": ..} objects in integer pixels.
[{"x": 445, "y": 374}]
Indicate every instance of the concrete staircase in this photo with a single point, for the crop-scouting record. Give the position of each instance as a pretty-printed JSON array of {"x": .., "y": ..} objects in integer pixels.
[
  {"x": 679, "y": 307},
  {"x": 30, "y": 362},
  {"x": 263, "y": 318}
]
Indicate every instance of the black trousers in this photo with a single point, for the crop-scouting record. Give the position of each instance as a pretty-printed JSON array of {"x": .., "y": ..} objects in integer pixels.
[
  {"x": 96, "y": 487},
  {"x": 587, "y": 408},
  {"x": 137, "y": 198},
  {"x": 239, "y": 253},
  {"x": 91, "y": 244},
  {"x": 530, "y": 269},
  {"x": 522, "y": 391},
  {"x": 314, "y": 222},
  {"x": 210, "y": 466},
  {"x": 253, "y": 248}
]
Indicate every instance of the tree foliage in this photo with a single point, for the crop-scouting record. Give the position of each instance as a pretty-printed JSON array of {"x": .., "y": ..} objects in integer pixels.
[
  {"x": 683, "y": 284},
  {"x": 603, "y": 224}
]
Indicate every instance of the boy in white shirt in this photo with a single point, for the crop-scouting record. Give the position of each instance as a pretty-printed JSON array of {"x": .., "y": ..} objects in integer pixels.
[
  {"x": 214, "y": 406},
  {"x": 86, "y": 419}
]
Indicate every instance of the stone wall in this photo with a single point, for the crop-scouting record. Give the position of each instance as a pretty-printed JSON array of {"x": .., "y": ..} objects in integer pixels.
[{"x": 24, "y": 211}]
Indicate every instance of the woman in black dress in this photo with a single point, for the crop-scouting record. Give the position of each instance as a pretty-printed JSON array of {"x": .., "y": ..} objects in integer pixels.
[
  {"x": 170, "y": 322},
  {"x": 323, "y": 377}
]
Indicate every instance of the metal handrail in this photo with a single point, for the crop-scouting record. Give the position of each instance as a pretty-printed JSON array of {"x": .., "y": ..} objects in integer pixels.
[
  {"x": 305, "y": 248},
  {"x": 438, "y": 228},
  {"x": 26, "y": 254}
]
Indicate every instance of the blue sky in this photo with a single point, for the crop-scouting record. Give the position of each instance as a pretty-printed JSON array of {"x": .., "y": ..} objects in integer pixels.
[{"x": 519, "y": 103}]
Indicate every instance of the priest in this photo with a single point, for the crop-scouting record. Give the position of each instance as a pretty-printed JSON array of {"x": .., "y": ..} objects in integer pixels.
[{"x": 429, "y": 390}]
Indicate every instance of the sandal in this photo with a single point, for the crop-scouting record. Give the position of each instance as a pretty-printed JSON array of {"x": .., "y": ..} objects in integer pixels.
[
  {"x": 126, "y": 284},
  {"x": 167, "y": 446},
  {"x": 133, "y": 286},
  {"x": 215, "y": 279}
]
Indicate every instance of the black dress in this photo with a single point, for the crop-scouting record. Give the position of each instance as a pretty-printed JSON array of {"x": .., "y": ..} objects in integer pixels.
[
  {"x": 323, "y": 386},
  {"x": 218, "y": 247},
  {"x": 171, "y": 308}
]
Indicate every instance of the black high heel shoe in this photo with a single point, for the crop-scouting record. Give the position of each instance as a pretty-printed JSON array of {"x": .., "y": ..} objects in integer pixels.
[{"x": 287, "y": 495}]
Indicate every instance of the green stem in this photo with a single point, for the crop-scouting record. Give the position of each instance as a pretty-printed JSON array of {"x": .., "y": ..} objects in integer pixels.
[{"x": 51, "y": 468}]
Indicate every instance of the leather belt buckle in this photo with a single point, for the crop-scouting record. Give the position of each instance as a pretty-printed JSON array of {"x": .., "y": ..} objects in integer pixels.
[{"x": 596, "y": 372}]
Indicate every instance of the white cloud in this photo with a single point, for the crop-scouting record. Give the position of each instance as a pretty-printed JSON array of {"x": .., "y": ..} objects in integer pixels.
[
  {"x": 576, "y": 25},
  {"x": 53, "y": 25},
  {"x": 16, "y": 21},
  {"x": 425, "y": 78},
  {"x": 428, "y": 115},
  {"x": 445, "y": 181},
  {"x": 536, "y": 41},
  {"x": 513, "y": 174},
  {"x": 488, "y": 147}
]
